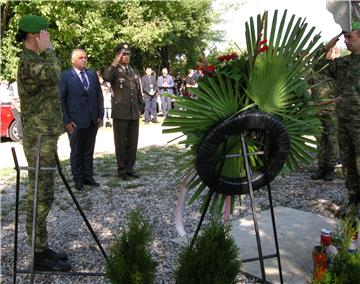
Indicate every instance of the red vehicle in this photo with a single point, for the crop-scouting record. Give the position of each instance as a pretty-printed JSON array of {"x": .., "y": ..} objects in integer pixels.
[{"x": 7, "y": 122}]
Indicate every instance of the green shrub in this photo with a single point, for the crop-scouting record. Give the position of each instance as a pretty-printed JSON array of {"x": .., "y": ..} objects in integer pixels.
[
  {"x": 129, "y": 261},
  {"x": 214, "y": 258}
]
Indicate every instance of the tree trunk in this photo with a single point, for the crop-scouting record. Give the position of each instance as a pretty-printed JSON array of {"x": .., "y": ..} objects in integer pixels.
[
  {"x": 165, "y": 60},
  {"x": 4, "y": 17}
]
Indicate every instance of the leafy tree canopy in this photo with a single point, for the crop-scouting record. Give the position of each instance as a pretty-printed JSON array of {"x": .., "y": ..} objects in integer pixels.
[{"x": 162, "y": 33}]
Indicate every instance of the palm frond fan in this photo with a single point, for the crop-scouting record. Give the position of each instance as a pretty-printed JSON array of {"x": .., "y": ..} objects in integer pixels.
[{"x": 270, "y": 79}]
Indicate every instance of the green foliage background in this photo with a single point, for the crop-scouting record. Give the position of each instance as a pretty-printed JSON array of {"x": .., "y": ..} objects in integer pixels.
[{"x": 162, "y": 33}]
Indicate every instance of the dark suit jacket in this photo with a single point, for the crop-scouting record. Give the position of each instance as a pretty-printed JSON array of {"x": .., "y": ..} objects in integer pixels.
[
  {"x": 170, "y": 80},
  {"x": 146, "y": 82},
  {"x": 127, "y": 102},
  {"x": 78, "y": 105}
]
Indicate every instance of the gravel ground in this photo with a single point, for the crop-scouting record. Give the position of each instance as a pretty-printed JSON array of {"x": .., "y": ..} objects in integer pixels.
[{"x": 156, "y": 193}]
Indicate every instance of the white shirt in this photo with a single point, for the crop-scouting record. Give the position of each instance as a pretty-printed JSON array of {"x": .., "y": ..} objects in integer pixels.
[{"x": 86, "y": 77}]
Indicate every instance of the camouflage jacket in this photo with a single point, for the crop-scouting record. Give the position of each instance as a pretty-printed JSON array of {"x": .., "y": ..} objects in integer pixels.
[
  {"x": 38, "y": 86},
  {"x": 346, "y": 71},
  {"x": 323, "y": 86}
]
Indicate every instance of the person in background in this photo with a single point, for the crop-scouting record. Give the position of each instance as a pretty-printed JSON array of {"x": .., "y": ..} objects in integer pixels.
[
  {"x": 198, "y": 74},
  {"x": 328, "y": 147},
  {"x": 190, "y": 82},
  {"x": 107, "y": 94},
  {"x": 83, "y": 111},
  {"x": 16, "y": 108},
  {"x": 127, "y": 105},
  {"x": 149, "y": 88},
  {"x": 38, "y": 80},
  {"x": 165, "y": 83}
]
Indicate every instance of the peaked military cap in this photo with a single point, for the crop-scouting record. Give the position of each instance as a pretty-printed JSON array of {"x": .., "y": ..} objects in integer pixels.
[
  {"x": 123, "y": 47},
  {"x": 33, "y": 24}
]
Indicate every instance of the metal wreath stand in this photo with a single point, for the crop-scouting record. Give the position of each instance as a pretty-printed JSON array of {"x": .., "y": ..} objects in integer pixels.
[
  {"x": 37, "y": 169},
  {"x": 275, "y": 151}
]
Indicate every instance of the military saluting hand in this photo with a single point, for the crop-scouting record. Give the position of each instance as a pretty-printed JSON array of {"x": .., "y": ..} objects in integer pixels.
[
  {"x": 333, "y": 41},
  {"x": 43, "y": 41},
  {"x": 116, "y": 60}
]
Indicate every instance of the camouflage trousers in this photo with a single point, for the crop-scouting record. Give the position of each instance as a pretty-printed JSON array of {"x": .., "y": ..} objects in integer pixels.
[
  {"x": 45, "y": 186},
  {"x": 349, "y": 146},
  {"x": 328, "y": 147}
]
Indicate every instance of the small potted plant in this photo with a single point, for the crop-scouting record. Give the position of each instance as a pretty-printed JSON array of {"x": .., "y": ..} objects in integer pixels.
[
  {"x": 130, "y": 261},
  {"x": 214, "y": 257}
]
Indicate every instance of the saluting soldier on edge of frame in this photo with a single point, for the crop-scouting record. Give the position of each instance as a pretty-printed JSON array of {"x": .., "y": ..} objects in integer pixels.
[
  {"x": 126, "y": 105},
  {"x": 38, "y": 86},
  {"x": 325, "y": 88},
  {"x": 346, "y": 72}
]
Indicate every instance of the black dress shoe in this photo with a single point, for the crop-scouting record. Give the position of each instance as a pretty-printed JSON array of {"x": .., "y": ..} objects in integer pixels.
[
  {"x": 79, "y": 186},
  {"x": 55, "y": 255},
  {"x": 91, "y": 183},
  {"x": 43, "y": 262},
  {"x": 133, "y": 175}
]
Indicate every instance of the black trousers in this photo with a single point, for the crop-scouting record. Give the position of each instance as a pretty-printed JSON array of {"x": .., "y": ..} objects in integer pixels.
[
  {"x": 82, "y": 144},
  {"x": 126, "y": 135}
]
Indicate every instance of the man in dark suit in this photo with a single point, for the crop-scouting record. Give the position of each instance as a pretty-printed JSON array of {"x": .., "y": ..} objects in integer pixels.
[
  {"x": 150, "y": 88},
  {"x": 83, "y": 111},
  {"x": 127, "y": 105}
]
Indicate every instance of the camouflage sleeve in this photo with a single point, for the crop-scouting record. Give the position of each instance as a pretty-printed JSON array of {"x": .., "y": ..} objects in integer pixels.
[
  {"x": 37, "y": 74},
  {"x": 326, "y": 67}
]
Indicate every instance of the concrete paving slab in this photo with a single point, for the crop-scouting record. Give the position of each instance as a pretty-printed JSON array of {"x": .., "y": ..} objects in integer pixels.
[{"x": 298, "y": 232}]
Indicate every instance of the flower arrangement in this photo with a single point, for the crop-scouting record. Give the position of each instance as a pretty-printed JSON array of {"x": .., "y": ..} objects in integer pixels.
[{"x": 271, "y": 76}]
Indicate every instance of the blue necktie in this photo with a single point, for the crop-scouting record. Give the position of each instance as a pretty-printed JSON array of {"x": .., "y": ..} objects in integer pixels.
[{"x": 83, "y": 79}]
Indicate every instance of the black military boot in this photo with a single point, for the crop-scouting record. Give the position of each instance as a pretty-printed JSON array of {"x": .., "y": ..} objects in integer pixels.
[
  {"x": 55, "y": 255},
  {"x": 42, "y": 261},
  {"x": 319, "y": 174},
  {"x": 329, "y": 174}
]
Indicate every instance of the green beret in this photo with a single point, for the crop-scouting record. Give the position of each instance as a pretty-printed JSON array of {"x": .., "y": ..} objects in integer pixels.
[
  {"x": 33, "y": 24},
  {"x": 355, "y": 26}
]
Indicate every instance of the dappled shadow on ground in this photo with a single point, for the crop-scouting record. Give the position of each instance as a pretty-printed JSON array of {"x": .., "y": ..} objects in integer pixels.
[
  {"x": 155, "y": 193},
  {"x": 106, "y": 207}
]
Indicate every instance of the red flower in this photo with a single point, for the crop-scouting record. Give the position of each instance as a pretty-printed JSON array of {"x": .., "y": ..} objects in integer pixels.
[
  {"x": 264, "y": 48},
  {"x": 206, "y": 69},
  {"x": 227, "y": 57},
  {"x": 210, "y": 68},
  {"x": 262, "y": 42}
]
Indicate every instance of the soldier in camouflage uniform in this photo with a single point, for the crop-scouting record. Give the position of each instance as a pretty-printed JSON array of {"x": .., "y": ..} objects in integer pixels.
[
  {"x": 324, "y": 88},
  {"x": 38, "y": 86},
  {"x": 346, "y": 71}
]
